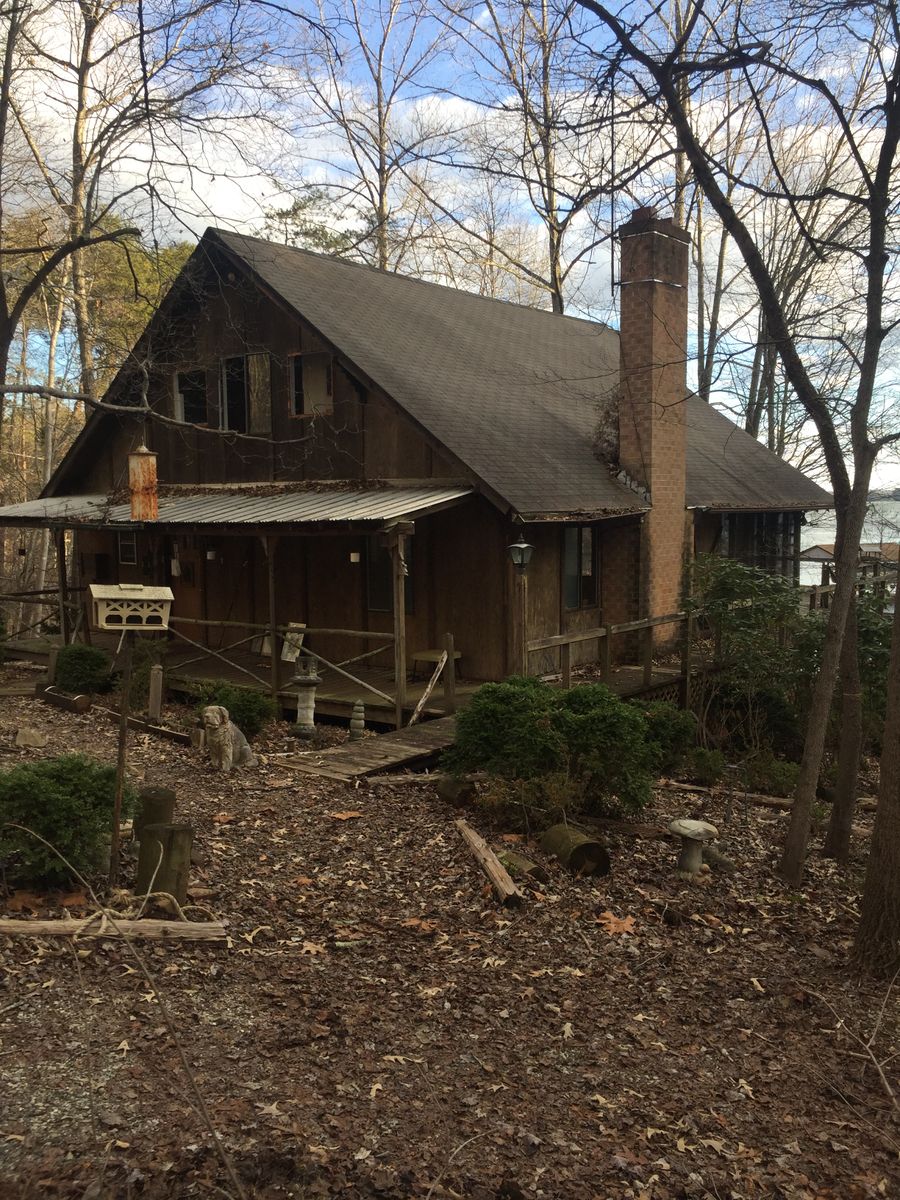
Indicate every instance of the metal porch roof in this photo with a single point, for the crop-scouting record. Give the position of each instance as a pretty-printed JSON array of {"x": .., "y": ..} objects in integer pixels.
[{"x": 318, "y": 505}]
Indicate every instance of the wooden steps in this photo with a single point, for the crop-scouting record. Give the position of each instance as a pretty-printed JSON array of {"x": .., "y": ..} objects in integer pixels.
[{"x": 386, "y": 752}]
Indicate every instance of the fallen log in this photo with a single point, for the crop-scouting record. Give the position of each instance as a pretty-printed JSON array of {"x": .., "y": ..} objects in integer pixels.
[
  {"x": 180, "y": 736},
  {"x": 863, "y": 804},
  {"x": 518, "y": 865},
  {"x": 501, "y": 881},
  {"x": 581, "y": 854},
  {"x": 185, "y": 931}
]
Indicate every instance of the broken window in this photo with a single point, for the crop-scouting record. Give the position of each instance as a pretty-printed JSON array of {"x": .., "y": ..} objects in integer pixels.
[
  {"x": 246, "y": 394},
  {"x": 580, "y": 588},
  {"x": 190, "y": 397},
  {"x": 311, "y": 384}
]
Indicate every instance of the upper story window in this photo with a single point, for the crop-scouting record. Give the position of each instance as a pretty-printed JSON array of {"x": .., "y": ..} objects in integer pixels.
[
  {"x": 190, "y": 397},
  {"x": 246, "y": 394},
  {"x": 580, "y": 574},
  {"x": 312, "y": 384}
]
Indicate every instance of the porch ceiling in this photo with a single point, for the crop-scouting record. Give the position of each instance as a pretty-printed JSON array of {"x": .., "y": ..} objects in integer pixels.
[{"x": 317, "y": 506}]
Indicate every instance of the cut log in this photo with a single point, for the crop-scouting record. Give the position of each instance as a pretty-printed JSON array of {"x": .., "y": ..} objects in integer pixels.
[
  {"x": 502, "y": 883},
  {"x": 581, "y": 854},
  {"x": 520, "y": 866},
  {"x": 185, "y": 931},
  {"x": 458, "y": 792}
]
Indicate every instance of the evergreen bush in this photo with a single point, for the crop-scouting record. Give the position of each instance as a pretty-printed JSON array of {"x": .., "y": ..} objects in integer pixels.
[
  {"x": 671, "y": 733},
  {"x": 81, "y": 668},
  {"x": 704, "y": 767},
  {"x": 69, "y": 802},
  {"x": 251, "y": 711},
  {"x": 584, "y": 747}
]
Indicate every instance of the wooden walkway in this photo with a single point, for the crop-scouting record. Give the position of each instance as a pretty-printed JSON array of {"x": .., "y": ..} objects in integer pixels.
[{"x": 386, "y": 752}]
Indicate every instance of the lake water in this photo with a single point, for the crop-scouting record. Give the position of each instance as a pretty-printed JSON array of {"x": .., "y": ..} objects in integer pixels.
[{"x": 882, "y": 525}]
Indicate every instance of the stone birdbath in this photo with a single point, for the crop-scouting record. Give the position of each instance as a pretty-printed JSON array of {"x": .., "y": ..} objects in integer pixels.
[{"x": 694, "y": 836}]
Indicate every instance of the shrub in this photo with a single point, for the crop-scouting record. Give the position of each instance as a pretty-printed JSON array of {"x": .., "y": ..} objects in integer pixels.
[
  {"x": 671, "y": 733},
  {"x": 585, "y": 744},
  {"x": 507, "y": 730},
  {"x": 705, "y": 767},
  {"x": 249, "y": 710},
  {"x": 69, "y": 802},
  {"x": 770, "y": 775},
  {"x": 81, "y": 668}
]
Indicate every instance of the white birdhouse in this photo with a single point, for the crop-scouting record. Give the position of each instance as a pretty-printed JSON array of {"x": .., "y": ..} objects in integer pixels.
[{"x": 131, "y": 606}]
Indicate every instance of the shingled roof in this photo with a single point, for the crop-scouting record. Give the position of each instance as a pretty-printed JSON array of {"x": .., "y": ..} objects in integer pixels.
[{"x": 515, "y": 393}]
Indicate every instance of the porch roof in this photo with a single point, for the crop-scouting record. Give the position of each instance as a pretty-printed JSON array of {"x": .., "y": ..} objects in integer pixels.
[{"x": 326, "y": 506}]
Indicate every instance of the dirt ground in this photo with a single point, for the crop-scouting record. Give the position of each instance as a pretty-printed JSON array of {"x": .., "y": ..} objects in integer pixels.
[{"x": 378, "y": 1027}]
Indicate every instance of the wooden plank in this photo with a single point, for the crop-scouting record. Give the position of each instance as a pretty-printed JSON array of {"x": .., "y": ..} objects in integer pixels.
[
  {"x": 100, "y": 926},
  {"x": 435, "y": 676},
  {"x": 500, "y": 878},
  {"x": 450, "y": 674},
  {"x": 389, "y": 750}
]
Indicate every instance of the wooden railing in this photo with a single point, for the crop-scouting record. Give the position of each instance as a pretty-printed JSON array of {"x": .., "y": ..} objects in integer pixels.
[
  {"x": 604, "y": 635},
  {"x": 817, "y": 597}
]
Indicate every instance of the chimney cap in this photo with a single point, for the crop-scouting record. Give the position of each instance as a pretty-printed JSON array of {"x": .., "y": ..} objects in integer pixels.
[
  {"x": 648, "y": 212},
  {"x": 142, "y": 449}
]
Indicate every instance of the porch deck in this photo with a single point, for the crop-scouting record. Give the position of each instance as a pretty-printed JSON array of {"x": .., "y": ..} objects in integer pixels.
[{"x": 336, "y": 695}]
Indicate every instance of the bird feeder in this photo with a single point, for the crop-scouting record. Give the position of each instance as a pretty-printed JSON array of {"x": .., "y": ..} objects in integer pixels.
[{"x": 131, "y": 606}]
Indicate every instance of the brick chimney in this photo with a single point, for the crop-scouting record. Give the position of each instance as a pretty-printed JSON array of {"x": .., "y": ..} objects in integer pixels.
[{"x": 652, "y": 424}]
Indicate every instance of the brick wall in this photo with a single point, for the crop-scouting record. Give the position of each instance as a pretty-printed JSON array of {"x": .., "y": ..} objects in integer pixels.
[{"x": 652, "y": 433}]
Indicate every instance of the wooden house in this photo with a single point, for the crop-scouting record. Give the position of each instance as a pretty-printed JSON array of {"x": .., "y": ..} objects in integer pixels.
[{"x": 331, "y": 438}]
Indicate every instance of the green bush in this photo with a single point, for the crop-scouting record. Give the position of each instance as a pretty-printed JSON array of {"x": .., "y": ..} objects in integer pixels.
[
  {"x": 81, "y": 668},
  {"x": 69, "y": 802},
  {"x": 584, "y": 743},
  {"x": 249, "y": 710},
  {"x": 671, "y": 733},
  {"x": 770, "y": 775},
  {"x": 705, "y": 767}
]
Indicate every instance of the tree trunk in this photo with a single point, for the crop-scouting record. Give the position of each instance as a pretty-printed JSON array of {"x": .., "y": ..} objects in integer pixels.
[
  {"x": 797, "y": 839},
  {"x": 877, "y": 947},
  {"x": 840, "y": 825}
]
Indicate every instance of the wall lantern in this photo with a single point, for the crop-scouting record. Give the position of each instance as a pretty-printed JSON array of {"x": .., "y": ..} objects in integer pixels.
[
  {"x": 131, "y": 606},
  {"x": 520, "y": 552},
  {"x": 211, "y": 554}
]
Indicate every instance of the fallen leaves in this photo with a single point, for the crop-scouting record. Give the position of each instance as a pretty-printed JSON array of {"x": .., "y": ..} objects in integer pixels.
[
  {"x": 344, "y": 816},
  {"x": 615, "y": 926}
]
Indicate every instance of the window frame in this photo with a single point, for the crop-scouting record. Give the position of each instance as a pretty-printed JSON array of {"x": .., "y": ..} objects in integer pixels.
[
  {"x": 178, "y": 395},
  {"x": 309, "y": 410},
  {"x": 124, "y": 539},
  {"x": 579, "y": 575}
]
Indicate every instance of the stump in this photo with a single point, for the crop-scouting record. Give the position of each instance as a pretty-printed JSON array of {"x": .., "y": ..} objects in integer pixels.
[
  {"x": 155, "y": 698},
  {"x": 156, "y": 806},
  {"x": 170, "y": 874},
  {"x": 581, "y": 854}
]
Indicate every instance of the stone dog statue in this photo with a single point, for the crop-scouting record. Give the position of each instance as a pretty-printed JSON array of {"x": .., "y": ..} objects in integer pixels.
[{"x": 226, "y": 744}]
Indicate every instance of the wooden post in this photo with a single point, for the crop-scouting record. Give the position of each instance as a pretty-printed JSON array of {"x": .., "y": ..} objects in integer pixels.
[
  {"x": 450, "y": 675},
  {"x": 647, "y": 655},
  {"x": 155, "y": 700},
  {"x": 520, "y": 620},
  {"x": 271, "y": 545},
  {"x": 120, "y": 760},
  {"x": 686, "y": 644},
  {"x": 156, "y": 806},
  {"x": 164, "y": 862},
  {"x": 398, "y": 573},
  {"x": 62, "y": 584},
  {"x": 606, "y": 655},
  {"x": 51, "y": 665},
  {"x": 565, "y": 664}
]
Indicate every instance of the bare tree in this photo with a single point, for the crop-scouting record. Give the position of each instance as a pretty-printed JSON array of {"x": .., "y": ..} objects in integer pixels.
[{"x": 756, "y": 47}]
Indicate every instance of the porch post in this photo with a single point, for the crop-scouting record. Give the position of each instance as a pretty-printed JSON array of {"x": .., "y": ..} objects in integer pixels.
[
  {"x": 62, "y": 584},
  {"x": 398, "y": 574},
  {"x": 271, "y": 545}
]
